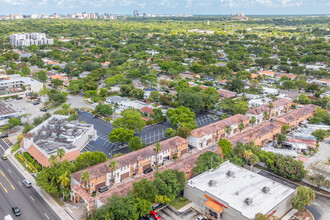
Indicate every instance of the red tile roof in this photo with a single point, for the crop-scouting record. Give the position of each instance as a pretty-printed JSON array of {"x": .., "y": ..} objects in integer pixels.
[
  {"x": 129, "y": 158},
  {"x": 226, "y": 93},
  {"x": 261, "y": 109},
  {"x": 219, "y": 125},
  {"x": 71, "y": 155},
  {"x": 296, "y": 114},
  {"x": 82, "y": 193},
  {"x": 28, "y": 135},
  {"x": 255, "y": 133},
  {"x": 290, "y": 76},
  {"x": 147, "y": 110},
  {"x": 267, "y": 72},
  {"x": 38, "y": 156}
]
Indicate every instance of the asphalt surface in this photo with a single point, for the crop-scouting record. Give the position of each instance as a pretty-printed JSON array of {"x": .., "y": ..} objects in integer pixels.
[
  {"x": 14, "y": 193},
  {"x": 320, "y": 207},
  {"x": 169, "y": 213},
  {"x": 150, "y": 134}
]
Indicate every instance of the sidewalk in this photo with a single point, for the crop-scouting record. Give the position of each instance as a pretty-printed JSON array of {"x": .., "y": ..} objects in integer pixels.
[{"x": 50, "y": 201}]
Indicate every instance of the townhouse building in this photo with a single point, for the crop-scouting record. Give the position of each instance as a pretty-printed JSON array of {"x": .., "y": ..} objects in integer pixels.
[
  {"x": 130, "y": 164},
  {"x": 210, "y": 135},
  {"x": 280, "y": 107}
]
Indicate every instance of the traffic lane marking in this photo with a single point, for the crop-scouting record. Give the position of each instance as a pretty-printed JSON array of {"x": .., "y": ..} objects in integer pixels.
[
  {"x": 7, "y": 180},
  {"x": 4, "y": 187}
]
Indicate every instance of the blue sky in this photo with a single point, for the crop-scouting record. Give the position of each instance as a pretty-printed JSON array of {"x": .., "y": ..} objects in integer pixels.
[{"x": 126, "y": 7}]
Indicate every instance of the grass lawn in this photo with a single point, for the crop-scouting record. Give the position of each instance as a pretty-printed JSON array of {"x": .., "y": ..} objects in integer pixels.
[
  {"x": 15, "y": 147},
  {"x": 58, "y": 200},
  {"x": 179, "y": 202}
]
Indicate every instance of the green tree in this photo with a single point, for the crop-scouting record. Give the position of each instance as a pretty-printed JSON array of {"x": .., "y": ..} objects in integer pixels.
[
  {"x": 144, "y": 189},
  {"x": 154, "y": 96},
  {"x": 25, "y": 71},
  {"x": 13, "y": 122},
  {"x": 122, "y": 207},
  {"x": 182, "y": 117},
  {"x": 226, "y": 147},
  {"x": 135, "y": 144},
  {"x": 184, "y": 132},
  {"x": 253, "y": 120},
  {"x": 142, "y": 207},
  {"x": 121, "y": 135},
  {"x": 288, "y": 84},
  {"x": 320, "y": 134},
  {"x": 305, "y": 196},
  {"x": 228, "y": 130},
  {"x": 42, "y": 75},
  {"x": 56, "y": 83},
  {"x": 157, "y": 148},
  {"x": 236, "y": 85},
  {"x": 206, "y": 161},
  {"x": 170, "y": 132},
  {"x": 64, "y": 180},
  {"x": 113, "y": 166},
  {"x": 131, "y": 119},
  {"x": 103, "y": 109},
  {"x": 137, "y": 93},
  {"x": 87, "y": 159},
  {"x": 85, "y": 177},
  {"x": 169, "y": 183},
  {"x": 241, "y": 126},
  {"x": 60, "y": 153}
]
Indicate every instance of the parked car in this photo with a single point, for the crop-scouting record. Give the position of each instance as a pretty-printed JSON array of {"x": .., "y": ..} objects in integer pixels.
[
  {"x": 103, "y": 189},
  {"x": 16, "y": 210},
  {"x": 36, "y": 103},
  {"x": 155, "y": 215},
  {"x": 27, "y": 183},
  {"x": 4, "y": 157},
  {"x": 149, "y": 217},
  {"x": 43, "y": 109},
  {"x": 19, "y": 98},
  {"x": 95, "y": 116},
  {"x": 148, "y": 170},
  {"x": 4, "y": 135}
]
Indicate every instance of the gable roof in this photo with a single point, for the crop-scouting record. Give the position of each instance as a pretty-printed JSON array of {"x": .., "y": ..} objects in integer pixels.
[
  {"x": 147, "y": 110},
  {"x": 296, "y": 114},
  {"x": 261, "y": 109},
  {"x": 38, "y": 156},
  {"x": 219, "y": 125}
]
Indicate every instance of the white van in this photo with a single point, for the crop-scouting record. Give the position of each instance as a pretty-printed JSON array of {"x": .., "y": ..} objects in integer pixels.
[{"x": 8, "y": 217}]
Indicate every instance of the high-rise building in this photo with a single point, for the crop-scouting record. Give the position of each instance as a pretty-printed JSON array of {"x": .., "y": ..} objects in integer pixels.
[
  {"x": 136, "y": 13},
  {"x": 28, "y": 39}
]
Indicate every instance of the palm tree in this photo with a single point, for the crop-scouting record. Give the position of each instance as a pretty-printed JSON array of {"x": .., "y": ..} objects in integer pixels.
[
  {"x": 64, "y": 180},
  {"x": 253, "y": 120},
  {"x": 85, "y": 177},
  {"x": 266, "y": 115},
  {"x": 270, "y": 105},
  {"x": 228, "y": 130},
  {"x": 53, "y": 160},
  {"x": 247, "y": 155},
  {"x": 157, "y": 149},
  {"x": 60, "y": 153},
  {"x": 241, "y": 126},
  {"x": 113, "y": 165}
]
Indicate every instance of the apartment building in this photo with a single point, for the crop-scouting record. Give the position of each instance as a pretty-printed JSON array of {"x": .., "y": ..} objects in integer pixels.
[
  {"x": 280, "y": 107},
  {"x": 294, "y": 117},
  {"x": 28, "y": 39},
  {"x": 17, "y": 85},
  {"x": 210, "y": 135},
  {"x": 131, "y": 164}
]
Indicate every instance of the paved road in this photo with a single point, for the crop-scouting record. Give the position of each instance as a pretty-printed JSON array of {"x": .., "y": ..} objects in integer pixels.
[
  {"x": 320, "y": 207},
  {"x": 14, "y": 193}
]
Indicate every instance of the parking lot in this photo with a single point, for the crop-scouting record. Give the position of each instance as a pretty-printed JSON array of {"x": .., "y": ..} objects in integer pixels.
[
  {"x": 203, "y": 119},
  {"x": 150, "y": 134},
  {"x": 169, "y": 213}
]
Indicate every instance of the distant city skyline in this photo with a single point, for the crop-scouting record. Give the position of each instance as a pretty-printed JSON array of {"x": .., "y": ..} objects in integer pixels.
[{"x": 195, "y": 7}]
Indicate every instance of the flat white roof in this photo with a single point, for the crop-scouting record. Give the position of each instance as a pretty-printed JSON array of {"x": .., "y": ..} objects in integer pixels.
[{"x": 244, "y": 184}]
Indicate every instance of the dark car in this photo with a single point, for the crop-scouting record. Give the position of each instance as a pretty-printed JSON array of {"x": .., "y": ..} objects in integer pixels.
[
  {"x": 3, "y": 135},
  {"x": 43, "y": 109},
  {"x": 95, "y": 116},
  {"x": 36, "y": 103},
  {"x": 149, "y": 217},
  {"x": 19, "y": 98},
  {"x": 16, "y": 210},
  {"x": 148, "y": 170}
]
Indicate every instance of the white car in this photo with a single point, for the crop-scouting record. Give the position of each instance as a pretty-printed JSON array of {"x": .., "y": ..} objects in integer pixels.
[{"x": 27, "y": 183}]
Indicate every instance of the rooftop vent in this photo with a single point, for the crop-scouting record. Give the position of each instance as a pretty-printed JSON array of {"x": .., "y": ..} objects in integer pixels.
[
  {"x": 230, "y": 173},
  {"x": 53, "y": 135},
  {"x": 43, "y": 133},
  {"x": 265, "y": 189},
  {"x": 248, "y": 201},
  {"x": 236, "y": 193},
  {"x": 51, "y": 126},
  {"x": 212, "y": 182}
]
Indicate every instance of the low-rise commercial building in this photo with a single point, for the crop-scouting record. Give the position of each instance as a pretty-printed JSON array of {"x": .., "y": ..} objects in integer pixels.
[
  {"x": 11, "y": 85},
  {"x": 232, "y": 192},
  {"x": 54, "y": 133},
  {"x": 6, "y": 111},
  {"x": 210, "y": 135}
]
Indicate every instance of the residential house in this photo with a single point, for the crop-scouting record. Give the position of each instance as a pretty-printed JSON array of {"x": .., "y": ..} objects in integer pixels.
[
  {"x": 210, "y": 135},
  {"x": 267, "y": 73},
  {"x": 280, "y": 107},
  {"x": 226, "y": 93},
  {"x": 323, "y": 82},
  {"x": 131, "y": 164}
]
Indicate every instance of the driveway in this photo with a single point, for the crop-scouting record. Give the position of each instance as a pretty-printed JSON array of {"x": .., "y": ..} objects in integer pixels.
[
  {"x": 320, "y": 206},
  {"x": 169, "y": 213},
  {"x": 321, "y": 156}
]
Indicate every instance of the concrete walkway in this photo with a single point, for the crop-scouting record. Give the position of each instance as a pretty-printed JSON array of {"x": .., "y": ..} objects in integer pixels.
[{"x": 50, "y": 201}]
